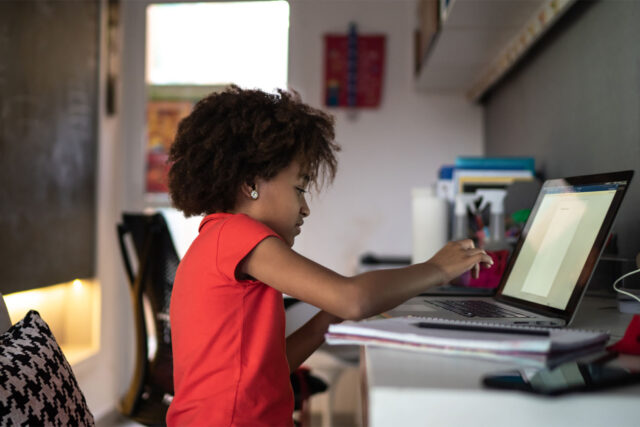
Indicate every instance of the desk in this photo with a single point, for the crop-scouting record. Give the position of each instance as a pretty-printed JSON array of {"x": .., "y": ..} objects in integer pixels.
[{"x": 403, "y": 388}]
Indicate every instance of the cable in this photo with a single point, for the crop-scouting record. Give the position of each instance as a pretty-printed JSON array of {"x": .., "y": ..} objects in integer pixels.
[{"x": 635, "y": 297}]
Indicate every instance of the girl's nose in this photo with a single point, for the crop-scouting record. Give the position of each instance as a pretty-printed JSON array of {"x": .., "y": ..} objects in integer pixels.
[{"x": 304, "y": 208}]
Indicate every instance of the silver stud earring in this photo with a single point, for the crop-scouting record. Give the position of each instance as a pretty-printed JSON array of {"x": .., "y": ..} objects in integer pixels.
[{"x": 254, "y": 194}]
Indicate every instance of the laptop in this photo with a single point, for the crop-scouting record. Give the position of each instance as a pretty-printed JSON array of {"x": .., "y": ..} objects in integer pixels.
[{"x": 552, "y": 262}]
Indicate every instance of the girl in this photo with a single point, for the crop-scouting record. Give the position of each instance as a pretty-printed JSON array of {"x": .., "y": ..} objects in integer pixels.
[{"x": 245, "y": 159}]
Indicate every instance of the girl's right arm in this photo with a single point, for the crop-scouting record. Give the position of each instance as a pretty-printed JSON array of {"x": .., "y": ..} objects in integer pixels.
[{"x": 361, "y": 296}]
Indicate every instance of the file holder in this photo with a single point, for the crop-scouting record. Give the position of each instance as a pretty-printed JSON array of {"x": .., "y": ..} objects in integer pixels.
[{"x": 630, "y": 342}]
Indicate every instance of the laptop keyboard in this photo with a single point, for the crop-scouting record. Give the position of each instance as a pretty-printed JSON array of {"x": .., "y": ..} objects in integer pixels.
[{"x": 476, "y": 308}]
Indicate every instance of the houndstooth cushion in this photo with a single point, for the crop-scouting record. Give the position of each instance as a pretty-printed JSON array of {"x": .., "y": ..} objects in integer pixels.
[{"x": 37, "y": 386}]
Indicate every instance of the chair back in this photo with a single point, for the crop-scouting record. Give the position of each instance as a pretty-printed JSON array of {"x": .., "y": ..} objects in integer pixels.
[{"x": 151, "y": 282}]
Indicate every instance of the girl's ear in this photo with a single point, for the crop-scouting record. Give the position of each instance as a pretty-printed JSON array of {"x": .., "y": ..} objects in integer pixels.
[{"x": 249, "y": 190}]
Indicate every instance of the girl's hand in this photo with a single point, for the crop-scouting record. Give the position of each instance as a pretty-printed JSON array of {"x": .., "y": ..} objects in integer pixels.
[{"x": 458, "y": 257}]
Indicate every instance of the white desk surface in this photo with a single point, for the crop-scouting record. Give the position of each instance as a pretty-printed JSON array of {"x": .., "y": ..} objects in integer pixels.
[{"x": 405, "y": 388}]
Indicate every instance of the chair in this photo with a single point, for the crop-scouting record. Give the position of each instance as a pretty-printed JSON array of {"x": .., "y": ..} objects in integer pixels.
[
  {"x": 304, "y": 386},
  {"x": 151, "y": 388}
]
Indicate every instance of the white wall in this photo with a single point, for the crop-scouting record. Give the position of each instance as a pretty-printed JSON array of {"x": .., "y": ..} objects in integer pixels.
[{"x": 386, "y": 151}]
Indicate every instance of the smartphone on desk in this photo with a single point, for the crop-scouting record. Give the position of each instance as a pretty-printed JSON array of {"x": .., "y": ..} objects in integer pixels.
[{"x": 567, "y": 377}]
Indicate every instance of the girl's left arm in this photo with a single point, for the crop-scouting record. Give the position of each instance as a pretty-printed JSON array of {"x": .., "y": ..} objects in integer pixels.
[
  {"x": 310, "y": 336},
  {"x": 360, "y": 296}
]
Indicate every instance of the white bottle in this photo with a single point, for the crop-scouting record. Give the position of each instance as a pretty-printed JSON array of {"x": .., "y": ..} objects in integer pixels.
[
  {"x": 429, "y": 222},
  {"x": 495, "y": 198},
  {"x": 460, "y": 220}
]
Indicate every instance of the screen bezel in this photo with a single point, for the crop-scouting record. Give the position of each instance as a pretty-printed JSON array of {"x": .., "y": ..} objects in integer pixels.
[{"x": 623, "y": 178}]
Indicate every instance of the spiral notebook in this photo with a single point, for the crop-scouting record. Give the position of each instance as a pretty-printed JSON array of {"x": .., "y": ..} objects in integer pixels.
[{"x": 528, "y": 345}]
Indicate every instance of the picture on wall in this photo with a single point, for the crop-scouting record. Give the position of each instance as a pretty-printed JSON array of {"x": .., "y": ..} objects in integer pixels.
[
  {"x": 354, "y": 70},
  {"x": 162, "y": 123}
]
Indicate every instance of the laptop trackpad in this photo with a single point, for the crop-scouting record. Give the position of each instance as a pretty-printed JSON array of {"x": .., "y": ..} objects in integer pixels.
[{"x": 413, "y": 307}]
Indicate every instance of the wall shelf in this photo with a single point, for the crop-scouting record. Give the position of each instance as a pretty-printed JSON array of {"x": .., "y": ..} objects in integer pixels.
[{"x": 478, "y": 41}]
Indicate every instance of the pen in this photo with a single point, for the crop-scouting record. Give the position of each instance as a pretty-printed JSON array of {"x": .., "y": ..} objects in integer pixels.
[{"x": 483, "y": 328}]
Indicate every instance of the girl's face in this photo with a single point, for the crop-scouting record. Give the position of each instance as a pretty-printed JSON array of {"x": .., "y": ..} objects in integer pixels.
[{"x": 281, "y": 203}]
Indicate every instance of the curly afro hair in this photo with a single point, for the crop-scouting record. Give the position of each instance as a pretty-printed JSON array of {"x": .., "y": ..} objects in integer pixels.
[{"x": 238, "y": 135}]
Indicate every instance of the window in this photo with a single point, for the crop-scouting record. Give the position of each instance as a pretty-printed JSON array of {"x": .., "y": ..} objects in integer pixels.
[{"x": 196, "y": 48}]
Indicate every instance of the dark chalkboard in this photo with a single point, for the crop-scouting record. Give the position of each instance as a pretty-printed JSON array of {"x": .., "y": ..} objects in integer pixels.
[{"x": 48, "y": 141}]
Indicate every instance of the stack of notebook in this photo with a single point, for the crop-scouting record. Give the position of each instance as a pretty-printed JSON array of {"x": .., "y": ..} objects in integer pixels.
[{"x": 527, "y": 345}]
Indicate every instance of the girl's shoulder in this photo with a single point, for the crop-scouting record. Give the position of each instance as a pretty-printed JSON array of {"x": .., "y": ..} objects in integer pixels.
[
  {"x": 228, "y": 239},
  {"x": 224, "y": 219},
  {"x": 234, "y": 225}
]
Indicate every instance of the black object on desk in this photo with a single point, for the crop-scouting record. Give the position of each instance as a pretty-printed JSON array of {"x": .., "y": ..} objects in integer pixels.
[
  {"x": 372, "y": 260},
  {"x": 484, "y": 328},
  {"x": 565, "y": 378}
]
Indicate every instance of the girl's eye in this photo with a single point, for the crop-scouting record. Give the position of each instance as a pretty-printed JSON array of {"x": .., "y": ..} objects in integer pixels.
[{"x": 301, "y": 190}]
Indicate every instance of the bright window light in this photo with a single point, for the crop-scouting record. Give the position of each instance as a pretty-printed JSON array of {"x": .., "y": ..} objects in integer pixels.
[{"x": 245, "y": 43}]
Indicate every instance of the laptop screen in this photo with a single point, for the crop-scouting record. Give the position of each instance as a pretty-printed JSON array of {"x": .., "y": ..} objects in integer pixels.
[{"x": 565, "y": 233}]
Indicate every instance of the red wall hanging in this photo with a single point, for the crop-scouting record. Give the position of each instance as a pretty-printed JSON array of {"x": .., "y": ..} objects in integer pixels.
[{"x": 354, "y": 69}]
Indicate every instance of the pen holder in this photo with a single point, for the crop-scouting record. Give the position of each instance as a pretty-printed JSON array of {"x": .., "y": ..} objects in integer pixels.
[
  {"x": 490, "y": 278},
  {"x": 630, "y": 342}
]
